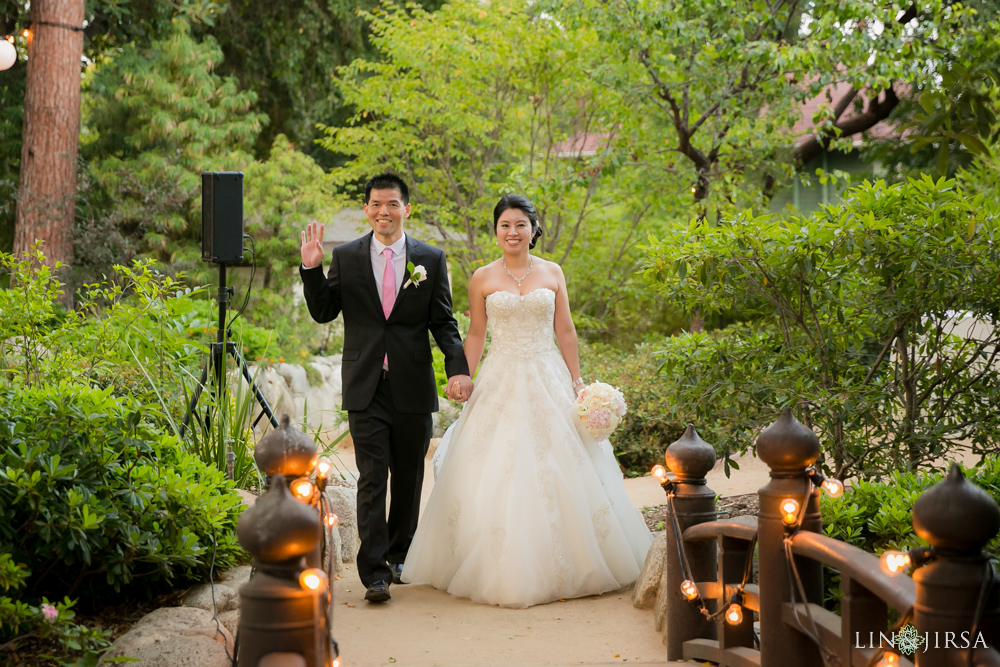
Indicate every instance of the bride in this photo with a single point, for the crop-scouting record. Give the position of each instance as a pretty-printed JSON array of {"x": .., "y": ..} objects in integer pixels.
[{"x": 527, "y": 507}]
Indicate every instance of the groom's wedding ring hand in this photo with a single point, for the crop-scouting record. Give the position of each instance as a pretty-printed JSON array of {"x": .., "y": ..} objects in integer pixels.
[
  {"x": 312, "y": 245},
  {"x": 459, "y": 388}
]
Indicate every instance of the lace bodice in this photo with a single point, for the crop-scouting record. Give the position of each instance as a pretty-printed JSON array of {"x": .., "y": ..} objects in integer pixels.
[{"x": 521, "y": 325}]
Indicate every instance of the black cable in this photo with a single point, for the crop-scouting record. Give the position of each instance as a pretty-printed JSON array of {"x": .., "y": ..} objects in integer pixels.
[
  {"x": 215, "y": 608},
  {"x": 253, "y": 271},
  {"x": 981, "y": 604},
  {"x": 59, "y": 24}
]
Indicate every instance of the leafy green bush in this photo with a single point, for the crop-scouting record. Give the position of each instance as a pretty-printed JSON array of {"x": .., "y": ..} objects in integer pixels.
[
  {"x": 98, "y": 500},
  {"x": 649, "y": 426},
  {"x": 877, "y": 516},
  {"x": 859, "y": 319}
]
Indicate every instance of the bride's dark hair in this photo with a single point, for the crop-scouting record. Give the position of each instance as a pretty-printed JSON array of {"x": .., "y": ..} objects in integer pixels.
[{"x": 523, "y": 204}]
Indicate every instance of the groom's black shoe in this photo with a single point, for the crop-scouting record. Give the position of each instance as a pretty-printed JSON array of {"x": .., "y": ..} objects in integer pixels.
[
  {"x": 397, "y": 573},
  {"x": 378, "y": 591}
]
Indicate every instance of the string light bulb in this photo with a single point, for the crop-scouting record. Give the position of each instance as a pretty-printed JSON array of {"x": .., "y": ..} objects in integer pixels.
[
  {"x": 8, "y": 54},
  {"x": 734, "y": 615},
  {"x": 789, "y": 511},
  {"x": 894, "y": 562},
  {"x": 694, "y": 189},
  {"x": 331, "y": 519},
  {"x": 660, "y": 473},
  {"x": 336, "y": 662},
  {"x": 888, "y": 659},
  {"x": 323, "y": 467},
  {"x": 689, "y": 589},
  {"x": 26, "y": 34},
  {"x": 833, "y": 487},
  {"x": 302, "y": 488},
  {"x": 10, "y": 38},
  {"x": 313, "y": 579}
]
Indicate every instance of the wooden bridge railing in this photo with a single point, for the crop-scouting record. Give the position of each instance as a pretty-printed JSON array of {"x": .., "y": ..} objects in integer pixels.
[{"x": 708, "y": 596}]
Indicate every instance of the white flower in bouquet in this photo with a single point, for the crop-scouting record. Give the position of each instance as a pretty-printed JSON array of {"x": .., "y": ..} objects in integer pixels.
[{"x": 600, "y": 407}]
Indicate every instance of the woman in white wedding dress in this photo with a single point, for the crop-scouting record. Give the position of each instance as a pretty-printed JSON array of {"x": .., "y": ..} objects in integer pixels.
[{"x": 527, "y": 507}]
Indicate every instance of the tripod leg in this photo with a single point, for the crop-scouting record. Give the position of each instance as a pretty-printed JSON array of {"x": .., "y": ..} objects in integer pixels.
[
  {"x": 265, "y": 408},
  {"x": 197, "y": 394}
]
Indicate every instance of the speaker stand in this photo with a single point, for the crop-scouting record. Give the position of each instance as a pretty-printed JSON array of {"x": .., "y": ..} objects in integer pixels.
[{"x": 216, "y": 360}]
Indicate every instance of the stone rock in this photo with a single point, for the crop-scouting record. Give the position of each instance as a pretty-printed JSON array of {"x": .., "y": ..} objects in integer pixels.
[
  {"x": 344, "y": 503},
  {"x": 237, "y": 576},
  {"x": 647, "y": 586},
  {"x": 287, "y": 390},
  {"x": 175, "y": 637},
  {"x": 231, "y": 619},
  {"x": 447, "y": 413},
  {"x": 337, "y": 550},
  {"x": 660, "y": 608},
  {"x": 294, "y": 376},
  {"x": 226, "y": 597},
  {"x": 248, "y": 498}
]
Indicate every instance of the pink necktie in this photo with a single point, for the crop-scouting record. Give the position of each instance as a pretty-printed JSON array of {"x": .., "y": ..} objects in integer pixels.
[{"x": 388, "y": 290}]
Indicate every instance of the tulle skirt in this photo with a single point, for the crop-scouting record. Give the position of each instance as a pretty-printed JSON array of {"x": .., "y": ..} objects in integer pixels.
[{"x": 527, "y": 507}]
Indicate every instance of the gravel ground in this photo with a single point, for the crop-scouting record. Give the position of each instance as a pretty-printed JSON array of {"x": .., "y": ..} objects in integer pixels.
[{"x": 728, "y": 507}]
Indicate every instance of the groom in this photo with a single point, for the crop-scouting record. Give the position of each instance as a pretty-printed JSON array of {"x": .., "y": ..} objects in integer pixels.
[{"x": 388, "y": 380}]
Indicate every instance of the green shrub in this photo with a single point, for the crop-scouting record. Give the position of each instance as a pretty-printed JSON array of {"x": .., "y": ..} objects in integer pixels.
[
  {"x": 648, "y": 427},
  {"x": 877, "y": 516},
  {"x": 95, "y": 499}
]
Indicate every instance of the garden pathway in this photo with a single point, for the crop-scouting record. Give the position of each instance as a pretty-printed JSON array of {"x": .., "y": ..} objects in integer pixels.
[{"x": 424, "y": 626}]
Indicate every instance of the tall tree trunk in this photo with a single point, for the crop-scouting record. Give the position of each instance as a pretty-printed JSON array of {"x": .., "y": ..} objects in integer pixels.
[{"x": 47, "y": 190}]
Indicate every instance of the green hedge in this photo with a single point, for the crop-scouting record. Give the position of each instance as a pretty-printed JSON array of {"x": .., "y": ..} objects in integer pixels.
[{"x": 95, "y": 500}]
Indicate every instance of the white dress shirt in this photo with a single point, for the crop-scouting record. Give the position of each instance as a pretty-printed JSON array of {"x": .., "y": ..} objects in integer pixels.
[{"x": 398, "y": 261}]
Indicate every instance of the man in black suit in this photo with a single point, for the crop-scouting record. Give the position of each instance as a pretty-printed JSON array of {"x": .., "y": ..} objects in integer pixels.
[{"x": 388, "y": 379}]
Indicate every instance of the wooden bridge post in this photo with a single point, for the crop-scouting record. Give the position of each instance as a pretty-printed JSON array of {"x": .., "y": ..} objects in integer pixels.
[
  {"x": 788, "y": 448},
  {"x": 957, "y": 519},
  {"x": 690, "y": 459}
]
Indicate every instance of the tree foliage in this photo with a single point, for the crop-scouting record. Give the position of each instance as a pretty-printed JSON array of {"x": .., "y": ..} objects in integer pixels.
[
  {"x": 860, "y": 317},
  {"x": 475, "y": 101},
  {"x": 723, "y": 81}
]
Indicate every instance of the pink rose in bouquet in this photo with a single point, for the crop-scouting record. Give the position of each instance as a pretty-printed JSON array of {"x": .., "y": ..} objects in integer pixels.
[{"x": 600, "y": 408}]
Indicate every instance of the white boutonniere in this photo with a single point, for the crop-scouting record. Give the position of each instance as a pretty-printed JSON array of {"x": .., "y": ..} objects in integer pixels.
[{"x": 418, "y": 274}]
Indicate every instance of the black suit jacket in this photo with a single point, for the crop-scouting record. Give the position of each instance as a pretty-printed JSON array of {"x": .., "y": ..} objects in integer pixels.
[{"x": 350, "y": 288}]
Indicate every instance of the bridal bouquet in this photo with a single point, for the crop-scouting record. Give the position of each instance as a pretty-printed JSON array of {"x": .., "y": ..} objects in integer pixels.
[{"x": 601, "y": 408}]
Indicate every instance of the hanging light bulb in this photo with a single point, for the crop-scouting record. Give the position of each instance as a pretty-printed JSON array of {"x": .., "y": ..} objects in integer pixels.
[
  {"x": 734, "y": 615},
  {"x": 789, "y": 511},
  {"x": 302, "y": 488},
  {"x": 313, "y": 579},
  {"x": 26, "y": 33},
  {"x": 660, "y": 473},
  {"x": 888, "y": 659},
  {"x": 689, "y": 589},
  {"x": 336, "y": 662},
  {"x": 8, "y": 54},
  {"x": 331, "y": 519},
  {"x": 323, "y": 467},
  {"x": 894, "y": 562},
  {"x": 833, "y": 487}
]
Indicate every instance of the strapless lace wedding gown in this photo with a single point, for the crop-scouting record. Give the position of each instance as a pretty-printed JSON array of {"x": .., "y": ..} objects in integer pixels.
[{"x": 527, "y": 507}]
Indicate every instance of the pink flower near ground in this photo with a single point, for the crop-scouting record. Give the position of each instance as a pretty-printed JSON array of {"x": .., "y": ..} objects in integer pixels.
[{"x": 49, "y": 613}]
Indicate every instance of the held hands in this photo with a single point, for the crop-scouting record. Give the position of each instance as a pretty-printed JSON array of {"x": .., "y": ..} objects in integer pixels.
[
  {"x": 459, "y": 388},
  {"x": 312, "y": 245}
]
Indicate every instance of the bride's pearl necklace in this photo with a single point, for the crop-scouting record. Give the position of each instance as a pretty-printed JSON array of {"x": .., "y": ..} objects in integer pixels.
[{"x": 531, "y": 262}]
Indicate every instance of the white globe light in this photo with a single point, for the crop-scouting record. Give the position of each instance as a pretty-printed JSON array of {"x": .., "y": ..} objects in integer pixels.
[{"x": 8, "y": 54}]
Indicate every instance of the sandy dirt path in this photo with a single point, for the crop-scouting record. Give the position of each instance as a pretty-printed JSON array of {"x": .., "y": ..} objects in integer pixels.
[{"x": 423, "y": 626}]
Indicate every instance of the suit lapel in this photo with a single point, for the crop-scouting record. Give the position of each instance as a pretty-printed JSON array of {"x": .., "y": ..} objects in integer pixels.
[
  {"x": 411, "y": 247},
  {"x": 369, "y": 278}
]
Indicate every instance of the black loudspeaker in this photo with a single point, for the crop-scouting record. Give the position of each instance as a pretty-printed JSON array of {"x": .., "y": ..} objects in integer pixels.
[{"x": 222, "y": 217}]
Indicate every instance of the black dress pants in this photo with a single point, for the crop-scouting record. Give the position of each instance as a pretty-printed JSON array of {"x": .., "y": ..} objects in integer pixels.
[{"x": 389, "y": 448}]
